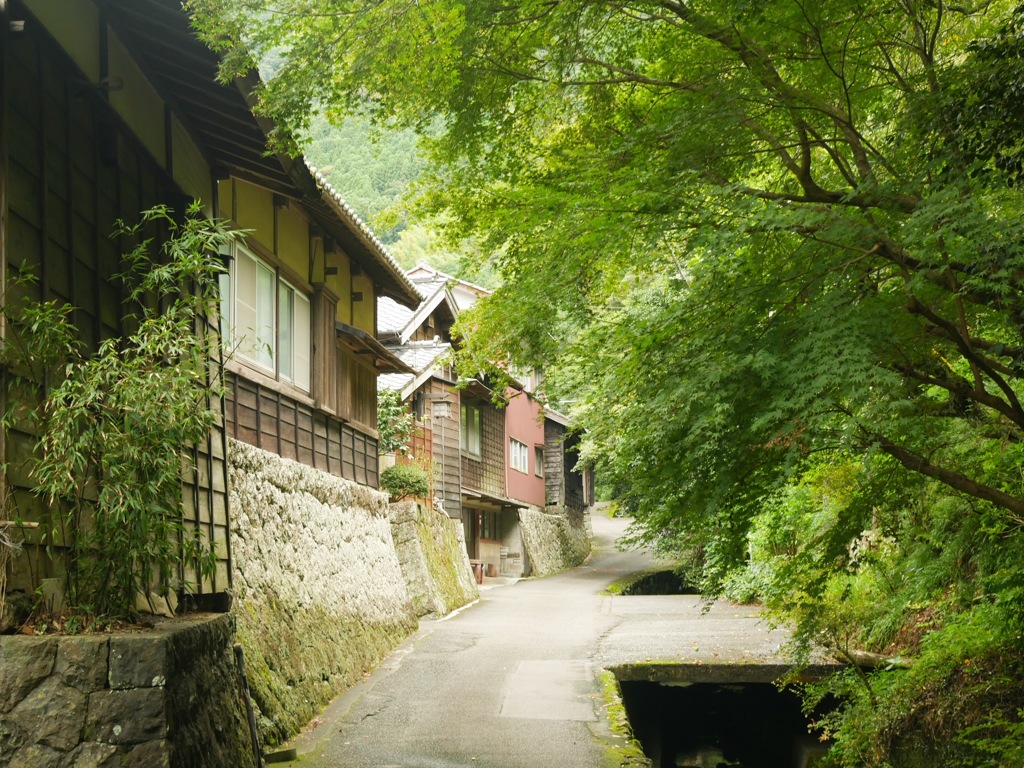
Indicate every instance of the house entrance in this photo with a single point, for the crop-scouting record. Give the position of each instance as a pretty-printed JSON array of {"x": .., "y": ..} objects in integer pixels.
[{"x": 471, "y": 525}]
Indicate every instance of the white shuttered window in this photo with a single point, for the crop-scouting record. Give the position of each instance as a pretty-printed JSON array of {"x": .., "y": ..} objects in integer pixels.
[{"x": 267, "y": 319}]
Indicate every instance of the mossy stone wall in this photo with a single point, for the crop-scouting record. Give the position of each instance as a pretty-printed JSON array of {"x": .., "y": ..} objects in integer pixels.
[
  {"x": 320, "y": 594},
  {"x": 432, "y": 552},
  {"x": 554, "y": 538}
]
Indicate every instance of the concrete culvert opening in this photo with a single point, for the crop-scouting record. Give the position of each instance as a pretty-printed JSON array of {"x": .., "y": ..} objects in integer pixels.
[
  {"x": 720, "y": 725},
  {"x": 660, "y": 583}
]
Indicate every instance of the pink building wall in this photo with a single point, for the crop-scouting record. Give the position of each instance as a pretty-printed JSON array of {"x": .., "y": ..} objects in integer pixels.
[{"x": 523, "y": 423}]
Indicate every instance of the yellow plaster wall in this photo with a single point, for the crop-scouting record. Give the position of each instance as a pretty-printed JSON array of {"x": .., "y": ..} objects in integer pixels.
[
  {"x": 293, "y": 241},
  {"x": 363, "y": 315},
  {"x": 253, "y": 208},
  {"x": 225, "y": 198},
  {"x": 75, "y": 25},
  {"x": 341, "y": 284},
  {"x": 190, "y": 168},
  {"x": 138, "y": 101}
]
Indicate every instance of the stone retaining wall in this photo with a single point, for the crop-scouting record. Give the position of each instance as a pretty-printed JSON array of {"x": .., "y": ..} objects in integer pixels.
[
  {"x": 554, "y": 539},
  {"x": 320, "y": 594},
  {"x": 167, "y": 697},
  {"x": 432, "y": 551}
]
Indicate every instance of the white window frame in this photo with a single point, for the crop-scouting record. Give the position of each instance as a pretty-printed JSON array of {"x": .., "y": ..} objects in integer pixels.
[
  {"x": 538, "y": 460},
  {"x": 252, "y": 318},
  {"x": 518, "y": 456},
  {"x": 470, "y": 430}
]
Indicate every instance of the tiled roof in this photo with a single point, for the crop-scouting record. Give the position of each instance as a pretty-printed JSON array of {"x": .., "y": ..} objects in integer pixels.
[
  {"x": 418, "y": 355},
  {"x": 392, "y": 317},
  {"x": 345, "y": 212},
  {"x": 424, "y": 273},
  {"x": 394, "y": 382}
]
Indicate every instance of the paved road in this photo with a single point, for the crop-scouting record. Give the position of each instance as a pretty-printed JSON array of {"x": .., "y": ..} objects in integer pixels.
[{"x": 511, "y": 681}]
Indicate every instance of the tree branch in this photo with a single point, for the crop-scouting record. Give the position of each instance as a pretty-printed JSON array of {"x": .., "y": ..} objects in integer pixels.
[
  {"x": 960, "y": 482},
  {"x": 952, "y": 333},
  {"x": 963, "y": 388}
]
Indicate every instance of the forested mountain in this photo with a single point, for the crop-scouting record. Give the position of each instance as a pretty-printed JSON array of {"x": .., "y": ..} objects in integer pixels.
[{"x": 374, "y": 170}]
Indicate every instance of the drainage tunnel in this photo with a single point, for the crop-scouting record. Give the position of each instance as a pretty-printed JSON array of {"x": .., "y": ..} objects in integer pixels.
[{"x": 720, "y": 725}]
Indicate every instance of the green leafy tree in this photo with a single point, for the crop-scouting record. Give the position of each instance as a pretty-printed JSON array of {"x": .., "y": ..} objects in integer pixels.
[
  {"x": 395, "y": 422},
  {"x": 747, "y": 239},
  {"x": 373, "y": 168}
]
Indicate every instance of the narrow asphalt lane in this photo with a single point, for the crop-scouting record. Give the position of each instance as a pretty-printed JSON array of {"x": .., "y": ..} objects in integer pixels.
[{"x": 511, "y": 682}]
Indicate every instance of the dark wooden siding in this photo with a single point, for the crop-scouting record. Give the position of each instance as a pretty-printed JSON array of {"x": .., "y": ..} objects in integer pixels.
[
  {"x": 565, "y": 484},
  {"x": 575, "y": 497},
  {"x": 554, "y": 463},
  {"x": 435, "y": 442},
  {"x": 445, "y": 429},
  {"x": 423, "y": 333},
  {"x": 275, "y": 422},
  {"x": 357, "y": 390},
  {"x": 70, "y": 169}
]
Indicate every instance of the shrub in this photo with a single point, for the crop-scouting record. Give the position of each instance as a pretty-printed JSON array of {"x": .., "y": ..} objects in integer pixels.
[
  {"x": 114, "y": 425},
  {"x": 404, "y": 481}
]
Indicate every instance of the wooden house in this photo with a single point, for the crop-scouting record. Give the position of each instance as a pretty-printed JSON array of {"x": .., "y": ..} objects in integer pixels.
[
  {"x": 461, "y": 432},
  {"x": 300, "y": 304},
  {"x": 110, "y": 107},
  {"x": 567, "y": 484},
  {"x": 421, "y": 339},
  {"x": 428, "y": 279}
]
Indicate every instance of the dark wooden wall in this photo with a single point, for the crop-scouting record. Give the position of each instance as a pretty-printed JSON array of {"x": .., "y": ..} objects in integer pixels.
[
  {"x": 280, "y": 424},
  {"x": 71, "y": 168},
  {"x": 445, "y": 448},
  {"x": 564, "y": 484},
  {"x": 357, "y": 394},
  {"x": 554, "y": 463}
]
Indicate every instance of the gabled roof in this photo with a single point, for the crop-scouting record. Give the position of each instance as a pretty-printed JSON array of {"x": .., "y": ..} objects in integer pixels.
[
  {"x": 555, "y": 416},
  {"x": 423, "y": 357},
  {"x": 426, "y": 278},
  {"x": 392, "y": 318},
  {"x": 398, "y": 323},
  {"x": 423, "y": 272},
  {"x": 219, "y": 118}
]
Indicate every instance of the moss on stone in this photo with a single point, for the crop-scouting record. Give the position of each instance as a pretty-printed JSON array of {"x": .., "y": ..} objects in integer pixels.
[
  {"x": 622, "y": 750},
  {"x": 554, "y": 538},
  {"x": 321, "y": 597},
  {"x": 297, "y": 662},
  {"x": 621, "y": 586},
  {"x": 441, "y": 552}
]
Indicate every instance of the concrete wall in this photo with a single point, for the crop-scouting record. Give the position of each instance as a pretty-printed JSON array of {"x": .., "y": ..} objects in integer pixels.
[
  {"x": 320, "y": 594},
  {"x": 432, "y": 551},
  {"x": 167, "y": 697},
  {"x": 554, "y": 539}
]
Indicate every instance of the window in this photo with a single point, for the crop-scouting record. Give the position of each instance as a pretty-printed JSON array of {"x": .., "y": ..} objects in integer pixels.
[
  {"x": 490, "y": 525},
  {"x": 538, "y": 461},
  {"x": 470, "y": 436},
  {"x": 267, "y": 319},
  {"x": 518, "y": 456}
]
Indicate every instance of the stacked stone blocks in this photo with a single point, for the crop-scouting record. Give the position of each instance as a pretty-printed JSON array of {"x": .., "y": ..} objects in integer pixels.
[
  {"x": 555, "y": 538},
  {"x": 167, "y": 697}
]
